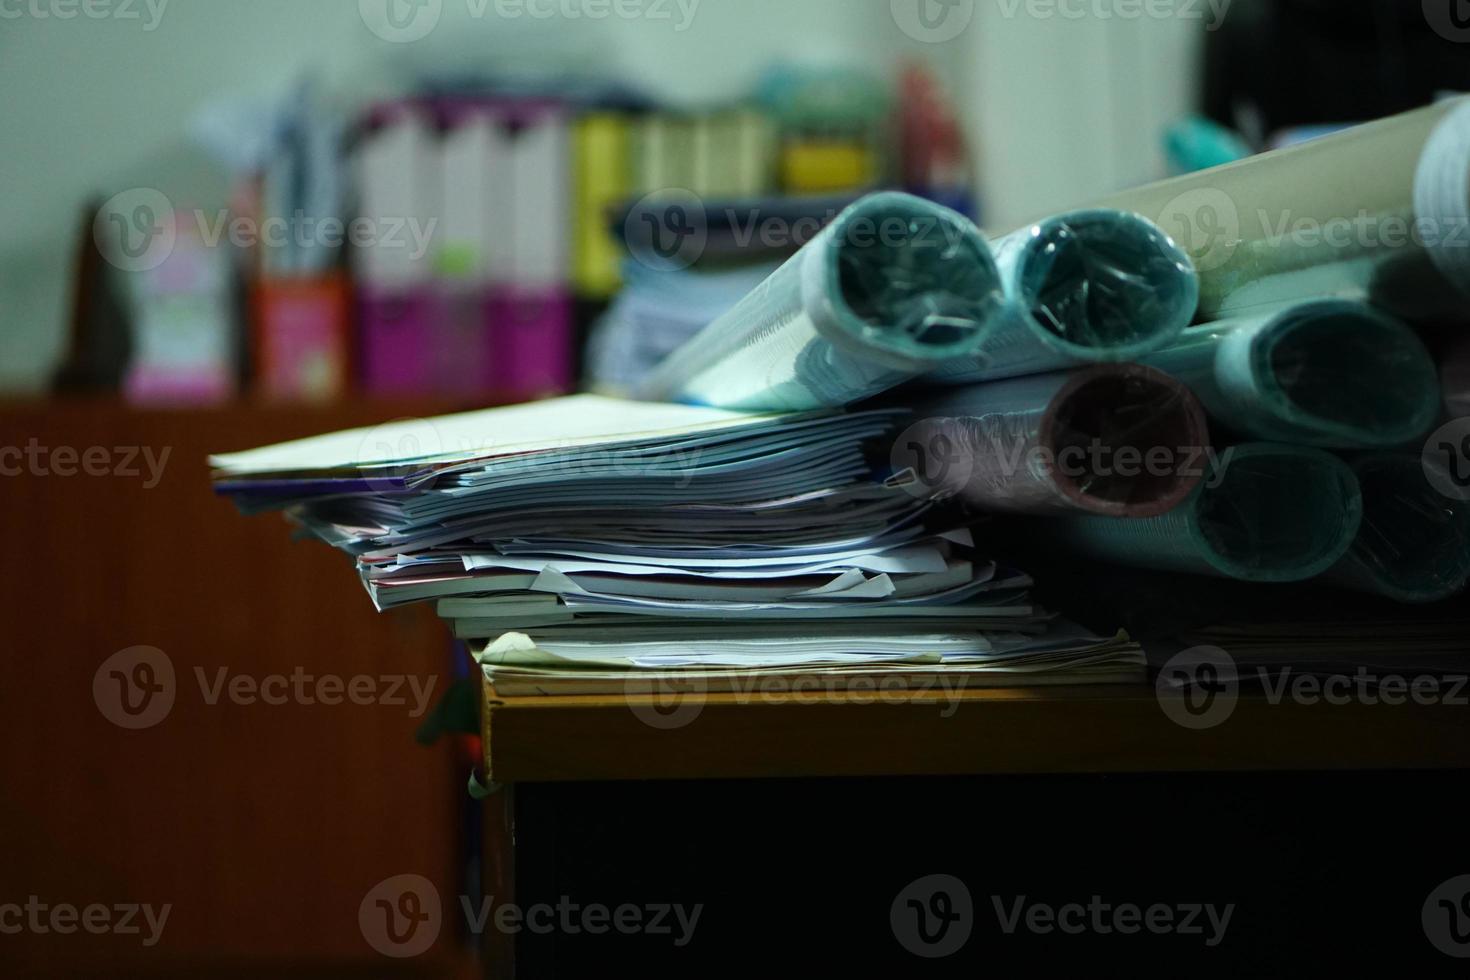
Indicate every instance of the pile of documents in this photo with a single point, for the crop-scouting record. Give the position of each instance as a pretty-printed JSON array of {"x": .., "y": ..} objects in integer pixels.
[{"x": 583, "y": 542}]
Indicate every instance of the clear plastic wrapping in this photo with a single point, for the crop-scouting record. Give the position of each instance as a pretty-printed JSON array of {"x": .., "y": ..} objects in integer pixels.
[
  {"x": 1084, "y": 287},
  {"x": 1266, "y": 513},
  {"x": 1380, "y": 211},
  {"x": 1414, "y": 544},
  {"x": 892, "y": 288},
  {"x": 1122, "y": 440},
  {"x": 1328, "y": 373}
]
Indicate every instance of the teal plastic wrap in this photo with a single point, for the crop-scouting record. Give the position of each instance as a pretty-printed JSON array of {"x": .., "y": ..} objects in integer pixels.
[
  {"x": 1333, "y": 374},
  {"x": 1118, "y": 439},
  {"x": 1267, "y": 513},
  {"x": 1083, "y": 287},
  {"x": 892, "y": 288},
  {"x": 1414, "y": 544}
]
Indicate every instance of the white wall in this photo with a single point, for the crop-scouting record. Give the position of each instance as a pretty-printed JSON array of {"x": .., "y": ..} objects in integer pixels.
[
  {"x": 1063, "y": 109},
  {"x": 1059, "y": 109}
]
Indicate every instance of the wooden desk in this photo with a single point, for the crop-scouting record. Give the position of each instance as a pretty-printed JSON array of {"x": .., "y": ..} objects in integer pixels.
[
  {"x": 545, "y": 747},
  {"x": 1008, "y": 730}
]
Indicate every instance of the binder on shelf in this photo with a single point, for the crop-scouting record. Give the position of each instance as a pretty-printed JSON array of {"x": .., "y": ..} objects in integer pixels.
[
  {"x": 400, "y": 189},
  {"x": 474, "y": 168},
  {"x": 302, "y": 338},
  {"x": 396, "y": 327},
  {"x": 601, "y": 156},
  {"x": 532, "y": 309},
  {"x": 533, "y": 342}
]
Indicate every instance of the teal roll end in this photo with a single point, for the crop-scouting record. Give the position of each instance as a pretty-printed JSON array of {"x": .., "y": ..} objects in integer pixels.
[
  {"x": 1105, "y": 285},
  {"x": 1414, "y": 544}
]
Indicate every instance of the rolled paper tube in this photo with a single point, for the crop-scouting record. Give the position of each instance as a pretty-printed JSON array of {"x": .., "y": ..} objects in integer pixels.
[
  {"x": 1117, "y": 439},
  {"x": 1414, "y": 545},
  {"x": 1328, "y": 373},
  {"x": 892, "y": 288},
  {"x": 1379, "y": 211},
  {"x": 1266, "y": 513},
  {"x": 1084, "y": 287}
]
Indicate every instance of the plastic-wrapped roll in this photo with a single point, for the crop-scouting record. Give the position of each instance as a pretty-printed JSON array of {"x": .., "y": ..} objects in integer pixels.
[
  {"x": 1117, "y": 439},
  {"x": 1380, "y": 211},
  {"x": 893, "y": 287},
  {"x": 1084, "y": 287},
  {"x": 1329, "y": 373},
  {"x": 1414, "y": 545},
  {"x": 1267, "y": 513}
]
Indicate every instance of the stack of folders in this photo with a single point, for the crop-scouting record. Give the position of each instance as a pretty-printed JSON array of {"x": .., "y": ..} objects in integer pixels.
[{"x": 584, "y": 543}]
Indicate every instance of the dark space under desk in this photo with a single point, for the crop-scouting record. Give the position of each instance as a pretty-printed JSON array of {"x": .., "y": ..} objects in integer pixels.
[{"x": 1325, "y": 826}]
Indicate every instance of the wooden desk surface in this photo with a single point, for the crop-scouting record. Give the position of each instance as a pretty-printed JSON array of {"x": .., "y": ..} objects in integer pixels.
[{"x": 1008, "y": 730}]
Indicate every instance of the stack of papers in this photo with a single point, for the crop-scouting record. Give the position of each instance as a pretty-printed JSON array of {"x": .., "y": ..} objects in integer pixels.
[{"x": 583, "y": 541}]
